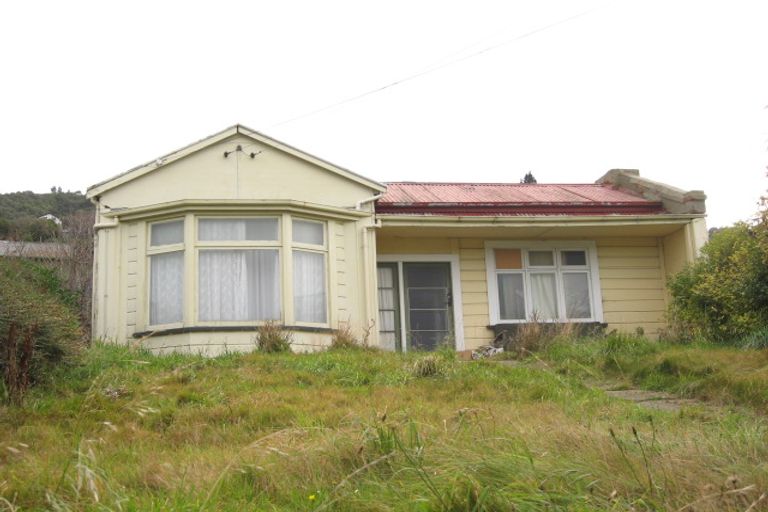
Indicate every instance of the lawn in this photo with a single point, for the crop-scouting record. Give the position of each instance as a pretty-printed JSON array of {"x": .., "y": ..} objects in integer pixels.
[{"x": 361, "y": 430}]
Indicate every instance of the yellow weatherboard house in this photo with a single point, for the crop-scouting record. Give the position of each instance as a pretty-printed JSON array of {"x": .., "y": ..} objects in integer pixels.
[{"x": 198, "y": 248}]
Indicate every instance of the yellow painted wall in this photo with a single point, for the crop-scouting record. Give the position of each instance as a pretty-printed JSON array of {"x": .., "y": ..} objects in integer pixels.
[
  {"x": 632, "y": 278},
  {"x": 632, "y": 284}
]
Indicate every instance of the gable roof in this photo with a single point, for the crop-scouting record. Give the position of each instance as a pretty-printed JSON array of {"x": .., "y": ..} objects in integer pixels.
[
  {"x": 504, "y": 199},
  {"x": 141, "y": 170}
]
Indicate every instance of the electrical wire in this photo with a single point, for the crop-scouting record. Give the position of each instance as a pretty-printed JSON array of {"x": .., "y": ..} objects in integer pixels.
[{"x": 436, "y": 67}]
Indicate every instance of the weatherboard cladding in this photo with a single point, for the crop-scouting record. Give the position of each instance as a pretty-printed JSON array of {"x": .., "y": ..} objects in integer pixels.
[{"x": 512, "y": 199}]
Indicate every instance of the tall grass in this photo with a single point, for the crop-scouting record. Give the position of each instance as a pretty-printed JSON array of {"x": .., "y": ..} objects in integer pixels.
[{"x": 358, "y": 430}]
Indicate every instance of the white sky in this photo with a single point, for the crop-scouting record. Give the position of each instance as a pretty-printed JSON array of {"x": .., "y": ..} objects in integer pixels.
[{"x": 677, "y": 89}]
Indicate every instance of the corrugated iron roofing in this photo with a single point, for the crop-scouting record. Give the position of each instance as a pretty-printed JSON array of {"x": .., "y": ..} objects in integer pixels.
[{"x": 512, "y": 199}]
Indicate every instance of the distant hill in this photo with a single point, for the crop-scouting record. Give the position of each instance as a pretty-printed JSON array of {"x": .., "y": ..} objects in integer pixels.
[
  {"x": 16, "y": 205},
  {"x": 20, "y": 213}
]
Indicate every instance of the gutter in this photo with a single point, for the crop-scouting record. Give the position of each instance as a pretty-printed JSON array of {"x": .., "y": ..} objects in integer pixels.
[{"x": 359, "y": 204}]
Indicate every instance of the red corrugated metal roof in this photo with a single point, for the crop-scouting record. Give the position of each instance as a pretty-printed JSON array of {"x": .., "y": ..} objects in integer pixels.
[{"x": 511, "y": 199}]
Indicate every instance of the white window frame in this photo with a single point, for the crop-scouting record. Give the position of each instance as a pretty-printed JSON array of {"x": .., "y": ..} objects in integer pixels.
[
  {"x": 592, "y": 270},
  {"x": 153, "y": 250},
  {"x": 224, "y": 245},
  {"x": 315, "y": 248},
  {"x": 458, "y": 309}
]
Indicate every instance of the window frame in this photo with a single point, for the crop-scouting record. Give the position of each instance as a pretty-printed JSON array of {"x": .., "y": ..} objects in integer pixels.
[
  {"x": 233, "y": 245},
  {"x": 557, "y": 247},
  {"x": 313, "y": 248},
  {"x": 154, "y": 250}
]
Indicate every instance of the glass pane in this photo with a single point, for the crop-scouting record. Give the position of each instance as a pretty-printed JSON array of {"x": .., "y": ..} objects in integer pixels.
[
  {"x": 426, "y": 275},
  {"x": 387, "y": 321},
  {"x": 167, "y": 233},
  {"x": 386, "y": 277},
  {"x": 386, "y": 298},
  {"x": 239, "y": 285},
  {"x": 166, "y": 295},
  {"x": 544, "y": 296},
  {"x": 541, "y": 258},
  {"x": 511, "y": 297},
  {"x": 509, "y": 259},
  {"x": 309, "y": 286},
  {"x": 428, "y": 320},
  {"x": 307, "y": 232},
  {"x": 428, "y": 298},
  {"x": 427, "y": 340},
  {"x": 237, "y": 229},
  {"x": 576, "y": 288},
  {"x": 573, "y": 258}
]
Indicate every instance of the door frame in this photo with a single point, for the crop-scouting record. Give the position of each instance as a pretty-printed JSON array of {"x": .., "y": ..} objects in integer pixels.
[{"x": 458, "y": 310}]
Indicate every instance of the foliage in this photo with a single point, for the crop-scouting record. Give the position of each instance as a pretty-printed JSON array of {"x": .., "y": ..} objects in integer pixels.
[
  {"x": 272, "y": 338},
  {"x": 723, "y": 296},
  {"x": 39, "y": 328},
  {"x": 355, "y": 431},
  {"x": 528, "y": 178},
  {"x": 20, "y": 212}
]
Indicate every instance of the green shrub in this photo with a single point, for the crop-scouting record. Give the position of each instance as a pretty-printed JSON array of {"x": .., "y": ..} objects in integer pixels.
[
  {"x": 39, "y": 328},
  {"x": 723, "y": 296},
  {"x": 272, "y": 338}
]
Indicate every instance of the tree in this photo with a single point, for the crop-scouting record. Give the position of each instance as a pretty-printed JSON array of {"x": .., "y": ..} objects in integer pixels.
[{"x": 528, "y": 178}]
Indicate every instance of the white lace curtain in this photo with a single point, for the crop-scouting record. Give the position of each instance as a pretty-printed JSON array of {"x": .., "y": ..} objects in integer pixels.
[
  {"x": 236, "y": 285},
  {"x": 309, "y": 286},
  {"x": 544, "y": 296},
  {"x": 166, "y": 296}
]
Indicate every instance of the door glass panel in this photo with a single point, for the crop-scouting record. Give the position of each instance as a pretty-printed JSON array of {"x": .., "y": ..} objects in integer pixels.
[
  {"x": 428, "y": 340},
  {"x": 576, "y": 288},
  {"x": 544, "y": 296},
  {"x": 511, "y": 297},
  {"x": 426, "y": 274},
  {"x": 428, "y": 319},
  {"x": 428, "y": 298}
]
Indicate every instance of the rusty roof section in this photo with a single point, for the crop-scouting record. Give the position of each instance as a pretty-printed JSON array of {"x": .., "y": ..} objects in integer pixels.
[{"x": 500, "y": 199}]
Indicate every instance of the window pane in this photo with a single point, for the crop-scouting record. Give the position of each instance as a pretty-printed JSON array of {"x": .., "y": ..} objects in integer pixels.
[
  {"x": 428, "y": 298},
  {"x": 307, "y": 232},
  {"x": 167, "y": 233},
  {"x": 544, "y": 296},
  {"x": 237, "y": 229},
  {"x": 511, "y": 297},
  {"x": 573, "y": 258},
  {"x": 309, "y": 286},
  {"x": 576, "y": 288},
  {"x": 426, "y": 275},
  {"x": 541, "y": 258},
  {"x": 386, "y": 277},
  {"x": 166, "y": 295},
  {"x": 387, "y": 321},
  {"x": 508, "y": 258},
  {"x": 238, "y": 285}
]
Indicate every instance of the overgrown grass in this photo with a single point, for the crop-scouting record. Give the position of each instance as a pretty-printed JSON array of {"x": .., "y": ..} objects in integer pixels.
[
  {"x": 725, "y": 375},
  {"x": 363, "y": 431}
]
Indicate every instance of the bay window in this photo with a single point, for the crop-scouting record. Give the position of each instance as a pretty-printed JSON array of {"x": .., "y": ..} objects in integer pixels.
[
  {"x": 239, "y": 272},
  {"x": 542, "y": 281}
]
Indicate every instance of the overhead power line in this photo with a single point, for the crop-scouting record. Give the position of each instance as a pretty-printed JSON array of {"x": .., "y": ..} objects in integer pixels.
[{"x": 436, "y": 67}]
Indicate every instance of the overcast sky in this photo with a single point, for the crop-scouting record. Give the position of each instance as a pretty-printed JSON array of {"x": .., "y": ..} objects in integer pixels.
[{"x": 565, "y": 89}]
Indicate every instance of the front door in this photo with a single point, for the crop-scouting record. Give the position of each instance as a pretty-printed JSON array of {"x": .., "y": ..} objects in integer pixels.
[
  {"x": 428, "y": 305},
  {"x": 415, "y": 305}
]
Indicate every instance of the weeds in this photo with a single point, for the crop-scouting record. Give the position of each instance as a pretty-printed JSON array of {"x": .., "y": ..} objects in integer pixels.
[{"x": 272, "y": 338}]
